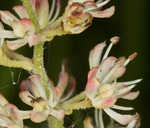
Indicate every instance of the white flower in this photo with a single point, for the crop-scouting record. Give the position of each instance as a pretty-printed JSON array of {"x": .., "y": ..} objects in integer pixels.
[
  {"x": 34, "y": 94},
  {"x": 79, "y": 14},
  {"x": 22, "y": 30},
  {"x": 102, "y": 87}
]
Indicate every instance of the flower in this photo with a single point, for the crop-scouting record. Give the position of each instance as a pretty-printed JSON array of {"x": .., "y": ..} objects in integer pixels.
[
  {"x": 102, "y": 87},
  {"x": 79, "y": 14},
  {"x": 33, "y": 93},
  {"x": 23, "y": 30},
  {"x": 10, "y": 115}
]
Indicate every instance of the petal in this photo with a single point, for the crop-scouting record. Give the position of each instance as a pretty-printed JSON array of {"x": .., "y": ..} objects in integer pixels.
[
  {"x": 95, "y": 55},
  {"x": 72, "y": 83},
  {"x": 7, "y": 34},
  {"x": 103, "y": 103},
  {"x": 116, "y": 71},
  {"x": 122, "y": 119},
  {"x": 21, "y": 11},
  {"x": 92, "y": 83},
  {"x": 8, "y": 18},
  {"x": 105, "y": 67},
  {"x": 26, "y": 97},
  {"x": 42, "y": 8},
  {"x": 62, "y": 84},
  {"x": 37, "y": 87},
  {"x": 58, "y": 114},
  {"x": 33, "y": 40},
  {"x": 15, "y": 44},
  {"x": 124, "y": 91},
  {"x": 38, "y": 117},
  {"x": 3, "y": 100},
  {"x": 107, "y": 13},
  {"x": 4, "y": 121},
  {"x": 131, "y": 95},
  {"x": 28, "y": 25}
]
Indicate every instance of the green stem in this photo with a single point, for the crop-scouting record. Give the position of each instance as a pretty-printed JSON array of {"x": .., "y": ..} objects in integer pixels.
[{"x": 38, "y": 60}]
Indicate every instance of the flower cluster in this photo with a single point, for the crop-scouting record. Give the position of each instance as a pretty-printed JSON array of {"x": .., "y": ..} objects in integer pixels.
[
  {"x": 23, "y": 30},
  {"x": 102, "y": 87},
  {"x": 77, "y": 17},
  {"x": 33, "y": 94},
  {"x": 79, "y": 14}
]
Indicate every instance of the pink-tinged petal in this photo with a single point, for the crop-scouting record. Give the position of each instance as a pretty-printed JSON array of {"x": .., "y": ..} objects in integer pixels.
[
  {"x": 118, "y": 73},
  {"x": 21, "y": 11},
  {"x": 42, "y": 7},
  {"x": 19, "y": 29},
  {"x": 62, "y": 84},
  {"x": 135, "y": 123},
  {"x": 33, "y": 3},
  {"x": 95, "y": 55},
  {"x": 107, "y": 13},
  {"x": 5, "y": 122},
  {"x": 38, "y": 117},
  {"x": 131, "y": 95},
  {"x": 28, "y": 25},
  {"x": 92, "y": 83},
  {"x": 33, "y": 40},
  {"x": 26, "y": 97},
  {"x": 105, "y": 67},
  {"x": 103, "y": 103},
  {"x": 7, "y": 34},
  {"x": 58, "y": 114},
  {"x": 8, "y": 18},
  {"x": 37, "y": 87},
  {"x": 72, "y": 83},
  {"x": 12, "y": 111},
  {"x": 122, "y": 119},
  {"x": 3, "y": 100},
  {"x": 122, "y": 108},
  {"x": 15, "y": 44},
  {"x": 124, "y": 91}
]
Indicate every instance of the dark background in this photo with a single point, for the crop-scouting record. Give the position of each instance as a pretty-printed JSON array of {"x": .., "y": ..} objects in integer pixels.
[{"x": 130, "y": 22}]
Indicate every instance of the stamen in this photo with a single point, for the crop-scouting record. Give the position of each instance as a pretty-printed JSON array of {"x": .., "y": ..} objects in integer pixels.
[
  {"x": 52, "y": 9},
  {"x": 130, "y": 58},
  {"x": 113, "y": 40},
  {"x": 107, "y": 51},
  {"x": 101, "y": 4},
  {"x": 56, "y": 13}
]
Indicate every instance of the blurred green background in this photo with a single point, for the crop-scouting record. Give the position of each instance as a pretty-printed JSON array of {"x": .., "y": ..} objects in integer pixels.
[{"x": 130, "y": 22}]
